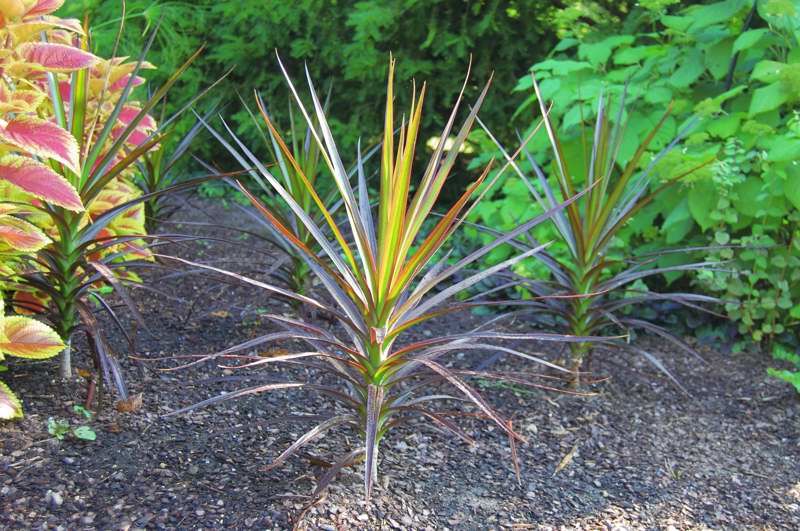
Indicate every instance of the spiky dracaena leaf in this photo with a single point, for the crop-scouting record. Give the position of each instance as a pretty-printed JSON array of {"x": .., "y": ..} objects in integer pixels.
[{"x": 382, "y": 273}]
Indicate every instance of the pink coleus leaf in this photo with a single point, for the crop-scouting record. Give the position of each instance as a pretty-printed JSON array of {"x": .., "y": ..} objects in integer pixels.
[
  {"x": 122, "y": 82},
  {"x": 43, "y": 7},
  {"x": 40, "y": 181},
  {"x": 42, "y": 138},
  {"x": 28, "y": 338},
  {"x": 19, "y": 235},
  {"x": 10, "y": 406},
  {"x": 130, "y": 113},
  {"x": 55, "y": 57}
]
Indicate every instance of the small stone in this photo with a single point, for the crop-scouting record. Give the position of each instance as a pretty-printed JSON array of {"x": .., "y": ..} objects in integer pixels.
[
  {"x": 407, "y": 520},
  {"x": 53, "y": 499},
  {"x": 68, "y": 460},
  {"x": 363, "y": 517},
  {"x": 199, "y": 512}
]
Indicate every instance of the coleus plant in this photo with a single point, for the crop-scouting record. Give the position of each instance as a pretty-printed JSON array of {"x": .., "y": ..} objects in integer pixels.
[
  {"x": 592, "y": 290},
  {"x": 25, "y": 338},
  {"x": 384, "y": 277},
  {"x": 70, "y": 143}
]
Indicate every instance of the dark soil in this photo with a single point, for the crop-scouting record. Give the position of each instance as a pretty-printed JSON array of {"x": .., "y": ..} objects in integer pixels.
[{"x": 644, "y": 455}]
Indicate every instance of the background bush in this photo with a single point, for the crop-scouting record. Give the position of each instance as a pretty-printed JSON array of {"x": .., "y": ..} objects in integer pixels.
[{"x": 346, "y": 45}]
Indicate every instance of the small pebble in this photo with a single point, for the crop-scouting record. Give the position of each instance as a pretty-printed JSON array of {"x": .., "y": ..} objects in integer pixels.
[{"x": 53, "y": 499}]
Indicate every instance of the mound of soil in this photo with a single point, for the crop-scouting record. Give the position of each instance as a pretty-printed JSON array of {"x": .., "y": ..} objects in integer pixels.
[{"x": 638, "y": 454}]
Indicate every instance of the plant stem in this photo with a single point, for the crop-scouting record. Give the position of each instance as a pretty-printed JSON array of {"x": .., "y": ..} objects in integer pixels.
[{"x": 66, "y": 360}]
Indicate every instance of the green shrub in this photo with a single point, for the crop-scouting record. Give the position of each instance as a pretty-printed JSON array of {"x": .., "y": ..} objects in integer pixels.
[
  {"x": 782, "y": 353},
  {"x": 736, "y": 68},
  {"x": 345, "y": 43}
]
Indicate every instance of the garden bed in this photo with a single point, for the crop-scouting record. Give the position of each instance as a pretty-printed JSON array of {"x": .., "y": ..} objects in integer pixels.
[{"x": 643, "y": 453}]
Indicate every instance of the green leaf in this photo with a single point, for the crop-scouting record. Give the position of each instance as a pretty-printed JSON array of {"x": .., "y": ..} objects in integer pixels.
[
  {"x": 768, "y": 98},
  {"x": 690, "y": 69},
  {"x": 719, "y": 12},
  {"x": 725, "y": 126},
  {"x": 678, "y": 223},
  {"x": 748, "y": 194},
  {"x": 562, "y": 66},
  {"x": 718, "y": 58},
  {"x": 792, "y": 188},
  {"x": 767, "y": 71},
  {"x": 85, "y": 433},
  {"x": 598, "y": 53},
  {"x": 636, "y": 54},
  {"x": 749, "y": 38},
  {"x": 783, "y": 149},
  {"x": 702, "y": 201},
  {"x": 658, "y": 95}
]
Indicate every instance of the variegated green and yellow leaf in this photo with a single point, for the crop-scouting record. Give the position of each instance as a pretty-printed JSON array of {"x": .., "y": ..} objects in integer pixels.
[
  {"x": 10, "y": 406},
  {"x": 28, "y": 338}
]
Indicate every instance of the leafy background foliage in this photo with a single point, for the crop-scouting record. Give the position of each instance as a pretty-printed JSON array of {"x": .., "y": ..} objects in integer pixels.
[{"x": 346, "y": 45}]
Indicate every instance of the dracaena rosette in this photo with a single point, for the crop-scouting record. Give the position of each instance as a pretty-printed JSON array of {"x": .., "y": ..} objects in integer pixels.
[
  {"x": 591, "y": 291},
  {"x": 385, "y": 272}
]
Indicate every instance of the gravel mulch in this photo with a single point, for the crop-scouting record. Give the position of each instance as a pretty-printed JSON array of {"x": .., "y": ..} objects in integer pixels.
[{"x": 638, "y": 454}]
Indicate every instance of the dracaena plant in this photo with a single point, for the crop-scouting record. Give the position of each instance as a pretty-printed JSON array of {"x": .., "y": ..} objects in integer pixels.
[
  {"x": 157, "y": 172},
  {"x": 70, "y": 149},
  {"x": 593, "y": 290},
  {"x": 305, "y": 163},
  {"x": 23, "y": 337},
  {"x": 385, "y": 277}
]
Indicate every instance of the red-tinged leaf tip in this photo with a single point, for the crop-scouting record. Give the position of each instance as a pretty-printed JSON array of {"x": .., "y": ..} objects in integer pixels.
[
  {"x": 42, "y": 138},
  {"x": 10, "y": 406},
  {"x": 40, "y": 181},
  {"x": 56, "y": 57},
  {"x": 28, "y": 338},
  {"x": 21, "y": 236}
]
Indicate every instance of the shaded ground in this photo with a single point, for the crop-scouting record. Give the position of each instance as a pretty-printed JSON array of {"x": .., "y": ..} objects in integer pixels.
[{"x": 645, "y": 455}]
